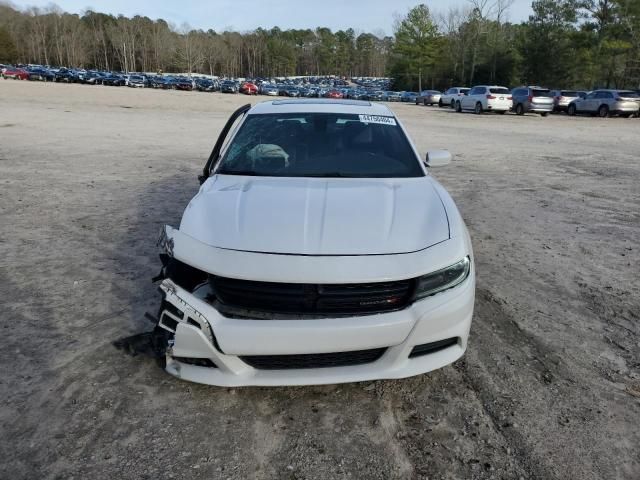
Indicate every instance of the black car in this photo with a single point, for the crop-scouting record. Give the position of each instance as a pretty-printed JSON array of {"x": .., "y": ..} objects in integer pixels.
[
  {"x": 159, "y": 82},
  {"x": 64, "y": 75},
  {"x": 204, "y": 85},
  {"x": 229, "y": 86},
  {"x": 42, "y": 74},
  {"x": 113, "y": 80},
  {"x": 376, "y": 96}
]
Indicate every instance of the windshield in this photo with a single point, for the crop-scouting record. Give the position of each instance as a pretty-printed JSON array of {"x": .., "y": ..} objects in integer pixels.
[{"x": 320, "y": 145}]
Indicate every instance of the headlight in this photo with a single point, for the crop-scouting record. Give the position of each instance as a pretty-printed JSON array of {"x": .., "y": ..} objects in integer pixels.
[{"x": 443, "y": 279}]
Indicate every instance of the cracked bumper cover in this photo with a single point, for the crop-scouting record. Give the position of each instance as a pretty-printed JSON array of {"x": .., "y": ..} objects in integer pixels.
[{"x": 222, "y": 340}]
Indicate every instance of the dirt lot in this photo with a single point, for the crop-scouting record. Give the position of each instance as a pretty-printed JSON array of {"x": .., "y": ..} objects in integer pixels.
[{"x": 550, "y": 385}]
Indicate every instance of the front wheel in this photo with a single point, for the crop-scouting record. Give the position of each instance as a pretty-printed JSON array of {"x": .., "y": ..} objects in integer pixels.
[
  {"x": 478, "y": 109},
  {"x": 440, "y": 104},
  {"x": 519, "y": 109},
  {"x": 544, "y": 114},
  {"x": 453, "y": 104},
  {"x": 603, "y": 111},
  {"x": 458, "y": 107},
  {"x": 571, "y": 110}
]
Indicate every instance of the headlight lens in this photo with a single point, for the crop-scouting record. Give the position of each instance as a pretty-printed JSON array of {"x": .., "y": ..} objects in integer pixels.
[{"x": 443, "y": 279}]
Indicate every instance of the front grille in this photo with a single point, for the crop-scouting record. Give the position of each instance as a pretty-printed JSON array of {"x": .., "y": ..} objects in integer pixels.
[
  {"x": 302, "y": 298},
  {"x": 313, "y": 360}
]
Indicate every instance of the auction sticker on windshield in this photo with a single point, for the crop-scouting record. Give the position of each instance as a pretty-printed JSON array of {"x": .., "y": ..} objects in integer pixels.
[{"x": 378, "y": 119}]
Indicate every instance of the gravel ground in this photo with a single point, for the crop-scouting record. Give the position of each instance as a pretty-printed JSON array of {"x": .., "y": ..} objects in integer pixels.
[{"x": 550, "y": 385}]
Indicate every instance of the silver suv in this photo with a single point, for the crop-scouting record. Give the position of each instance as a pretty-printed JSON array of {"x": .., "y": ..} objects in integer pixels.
[
  {"x": 532, "y": 99},
  {"x": 562, "y": 98},
  {"x": 605, "y": 103}
]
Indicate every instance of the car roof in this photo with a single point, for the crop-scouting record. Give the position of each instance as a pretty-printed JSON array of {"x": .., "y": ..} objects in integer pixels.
[{"x": 321, "y": 105}]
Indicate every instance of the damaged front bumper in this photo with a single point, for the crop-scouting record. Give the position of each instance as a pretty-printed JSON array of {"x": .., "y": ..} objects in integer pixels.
[{"x": 205, "y": 346}]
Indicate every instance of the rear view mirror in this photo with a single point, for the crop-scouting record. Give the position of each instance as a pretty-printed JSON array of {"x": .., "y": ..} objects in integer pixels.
[{"x": 438, "y": 158}]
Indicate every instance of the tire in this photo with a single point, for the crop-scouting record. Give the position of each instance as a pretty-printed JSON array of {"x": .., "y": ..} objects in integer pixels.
[
  {"x": 424, "y": 102},
  {"x": 478, "y": 109},
  {"x": 440, "y": 104},
  {"x": 453, "y": 104},
  {"x": 603, "y": 111},
  {"x": 501, "y": 112},
  {"x": 571, "y": 110},
  {"x": 519, "y": 109},
  {"x": 458, "y": 107},
  {"x": 544, "y": 114}
]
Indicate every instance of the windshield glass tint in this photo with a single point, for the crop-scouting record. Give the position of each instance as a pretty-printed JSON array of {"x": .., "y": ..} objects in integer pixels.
[
  {"x": 628, "y": 94},
  {"x": 569, "y": 93},
  {"x": 499, "y": 90},
  {"x": 320, "y": 145},
  {"x": 541, "y": 93}
]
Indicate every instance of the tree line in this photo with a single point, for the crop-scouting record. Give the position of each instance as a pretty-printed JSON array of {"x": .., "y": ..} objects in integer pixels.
[{"x": 564, "y": 43}]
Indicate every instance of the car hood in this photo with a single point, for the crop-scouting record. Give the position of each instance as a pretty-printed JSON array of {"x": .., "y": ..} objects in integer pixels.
[{"x": 317, "y": 216}]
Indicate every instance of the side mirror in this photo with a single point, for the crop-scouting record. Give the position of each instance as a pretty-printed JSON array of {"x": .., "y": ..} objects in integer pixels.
[{"x": 438, "y": 158}]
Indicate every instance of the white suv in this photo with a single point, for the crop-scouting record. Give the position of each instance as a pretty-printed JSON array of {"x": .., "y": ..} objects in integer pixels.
[
  {"x": 486, "y": 98},
  {"x": 319, "y": 249}
]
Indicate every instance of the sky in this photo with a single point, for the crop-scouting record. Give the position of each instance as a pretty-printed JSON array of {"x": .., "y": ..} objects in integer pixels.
[{"x": 242, "y": 15}]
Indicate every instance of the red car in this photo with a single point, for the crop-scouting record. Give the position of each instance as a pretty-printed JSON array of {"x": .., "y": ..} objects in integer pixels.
[
  {"x": 249, "y": 88},
  {"x": 335, "y": 94},
  {"x": 15, "y": 73}
]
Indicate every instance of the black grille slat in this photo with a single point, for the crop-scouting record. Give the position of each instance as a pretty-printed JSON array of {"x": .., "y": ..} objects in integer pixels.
[
  {"x": 300, "y": 298},
  {"x": 364, "y": 289},
  {"x": 314, "y": 360}
]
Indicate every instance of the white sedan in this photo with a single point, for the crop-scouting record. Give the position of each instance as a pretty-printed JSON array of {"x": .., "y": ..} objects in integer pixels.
[{"x": 318, "y": 250}]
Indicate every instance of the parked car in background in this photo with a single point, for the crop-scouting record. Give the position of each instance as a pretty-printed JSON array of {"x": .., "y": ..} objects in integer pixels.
[
  {"x": 15, "y": 73},
  {"x": 562, "y": 98},
  {"x": 377, "y": 96},
  {"x": 604, "y": 103},
  {"x": 532, "y": 99},
  {"x": 249, "y": 88},
  {"x": 270, "y": 90},
  {"x": 452, "y": 94},
  {"x": 229, "y": 86},
  {"x": 428, "y": 97},
  {"x": 40, "y": 73},
  {"x": 158, "y": 81},
  {"x": 136, "y": 81},
  {"x": 204, "y": 85},
  {"x": 334, "y": 94},
  {"x": 181, "y": 83},
  {"x": 64, "y": 75},
  {"x": 113, "y": 80},
  {"x": 291, "y": 91},
  {"x": 409, "y": 97},
  {"x": 393, "y": 96},
  {"x": 485, "y": 98}
]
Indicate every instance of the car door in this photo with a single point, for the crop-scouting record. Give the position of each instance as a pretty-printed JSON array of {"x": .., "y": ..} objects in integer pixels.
[
  {"x": 469, "y": 99},
  {"x": 605, "y": 98},
  {"x": 589, "y": 103}
]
